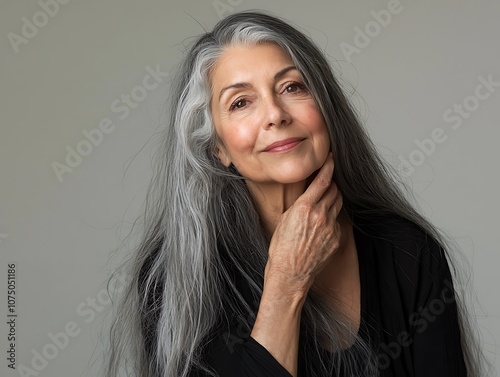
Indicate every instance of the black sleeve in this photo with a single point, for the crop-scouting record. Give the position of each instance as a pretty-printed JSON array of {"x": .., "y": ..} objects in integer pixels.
[
  {"x": 230, "y": 355},
  {"x": 434, "y": 322}
]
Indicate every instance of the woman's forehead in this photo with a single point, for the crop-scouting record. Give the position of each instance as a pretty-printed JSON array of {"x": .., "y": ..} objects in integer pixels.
[{"x": 246, "y": 60}]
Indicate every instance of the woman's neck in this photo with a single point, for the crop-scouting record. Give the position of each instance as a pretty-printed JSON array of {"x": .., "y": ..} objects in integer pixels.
[{"x": 272, "y": 200}]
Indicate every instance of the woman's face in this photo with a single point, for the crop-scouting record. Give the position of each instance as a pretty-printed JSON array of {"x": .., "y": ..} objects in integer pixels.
[{"x": 259, "y": 99}]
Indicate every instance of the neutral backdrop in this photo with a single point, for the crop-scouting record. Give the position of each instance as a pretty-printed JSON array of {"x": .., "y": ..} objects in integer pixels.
[{"x": 69, "y": 193}]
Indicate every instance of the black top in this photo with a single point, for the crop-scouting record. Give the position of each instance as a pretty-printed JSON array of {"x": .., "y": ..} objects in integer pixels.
[{"x": 408, "y": 310}]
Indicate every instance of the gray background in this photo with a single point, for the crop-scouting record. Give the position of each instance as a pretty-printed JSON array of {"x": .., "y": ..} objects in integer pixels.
[{"x": 65, "y": 78}]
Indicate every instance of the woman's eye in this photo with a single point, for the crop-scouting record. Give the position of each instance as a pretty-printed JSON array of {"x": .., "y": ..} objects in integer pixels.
[
  {"x": 294, "y": 87},
  {"x": 238, "y": 104}
]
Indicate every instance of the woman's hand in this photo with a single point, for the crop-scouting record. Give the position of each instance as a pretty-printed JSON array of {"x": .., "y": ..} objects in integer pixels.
[{"x": 306, "y": 236}]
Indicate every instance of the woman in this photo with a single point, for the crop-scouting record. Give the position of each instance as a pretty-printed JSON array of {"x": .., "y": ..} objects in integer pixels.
[{"x": 276, "y": 241}]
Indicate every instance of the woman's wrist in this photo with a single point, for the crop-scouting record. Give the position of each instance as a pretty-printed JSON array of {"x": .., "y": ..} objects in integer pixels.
[
  {"x": 283, "y": 290},
  {"x": 277, "y": 325}
]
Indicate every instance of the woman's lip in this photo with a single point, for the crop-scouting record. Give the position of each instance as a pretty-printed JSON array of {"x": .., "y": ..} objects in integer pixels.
[{"x": 283, "y": 145}]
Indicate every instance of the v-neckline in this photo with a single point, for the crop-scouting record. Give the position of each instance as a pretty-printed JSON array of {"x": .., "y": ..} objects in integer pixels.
[{"x": 362, "y": 243}]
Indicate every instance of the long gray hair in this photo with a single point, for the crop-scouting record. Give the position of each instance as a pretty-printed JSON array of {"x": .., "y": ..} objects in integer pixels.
[{"x": 201, "y": 227}]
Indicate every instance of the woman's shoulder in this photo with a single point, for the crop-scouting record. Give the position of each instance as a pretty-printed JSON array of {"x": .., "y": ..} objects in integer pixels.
[
  {"x": 401, "y": 246},
  {"x": 405, "y": 265},
  {"x": 400, "y": 234}
]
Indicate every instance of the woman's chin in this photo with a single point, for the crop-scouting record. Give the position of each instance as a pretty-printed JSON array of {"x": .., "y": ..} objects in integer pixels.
[{"x": 295, "y": 179}]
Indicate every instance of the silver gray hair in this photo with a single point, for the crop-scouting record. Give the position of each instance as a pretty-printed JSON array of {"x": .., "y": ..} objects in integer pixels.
[{"x": 201, "y": 228}]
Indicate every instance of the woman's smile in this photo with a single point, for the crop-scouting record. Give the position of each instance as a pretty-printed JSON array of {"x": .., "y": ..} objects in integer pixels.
[{"x": 284, "y": 145}]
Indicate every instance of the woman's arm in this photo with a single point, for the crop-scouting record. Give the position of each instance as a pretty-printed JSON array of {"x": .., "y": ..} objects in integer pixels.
[
  {"x": 427, "y": 343},
  {"x": 277, "y": 324},
  {"x": 306, "y": 236},
  {"x": 437, "y": 349}
]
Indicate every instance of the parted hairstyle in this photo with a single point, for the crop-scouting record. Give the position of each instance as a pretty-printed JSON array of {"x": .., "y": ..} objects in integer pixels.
[{"x": 200, "y": 227}]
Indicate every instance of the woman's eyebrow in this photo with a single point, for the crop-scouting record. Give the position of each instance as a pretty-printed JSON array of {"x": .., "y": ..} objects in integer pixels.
[
  {"x": 235, "y": 85},
  {"x": 247, "y": 85},
  {"x": 283, "y": 71}
]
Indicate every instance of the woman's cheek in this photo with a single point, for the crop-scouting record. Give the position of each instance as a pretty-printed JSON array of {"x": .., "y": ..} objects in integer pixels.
[
  {"x": 242, "y": 138},
  {"x": 315, "y": 119}
]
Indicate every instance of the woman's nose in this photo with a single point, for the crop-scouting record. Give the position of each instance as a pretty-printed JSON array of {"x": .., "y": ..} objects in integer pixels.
[{"x": 276, "y": 114}]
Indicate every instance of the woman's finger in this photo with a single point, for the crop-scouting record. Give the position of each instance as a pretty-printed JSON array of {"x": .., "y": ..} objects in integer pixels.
[
  {"x": 330, "y": 196},
  {"x": 320, "y": 183}
]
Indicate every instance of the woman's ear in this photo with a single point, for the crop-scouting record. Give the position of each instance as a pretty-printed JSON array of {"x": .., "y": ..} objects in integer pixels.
[{"x": 221, "y": 154}]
